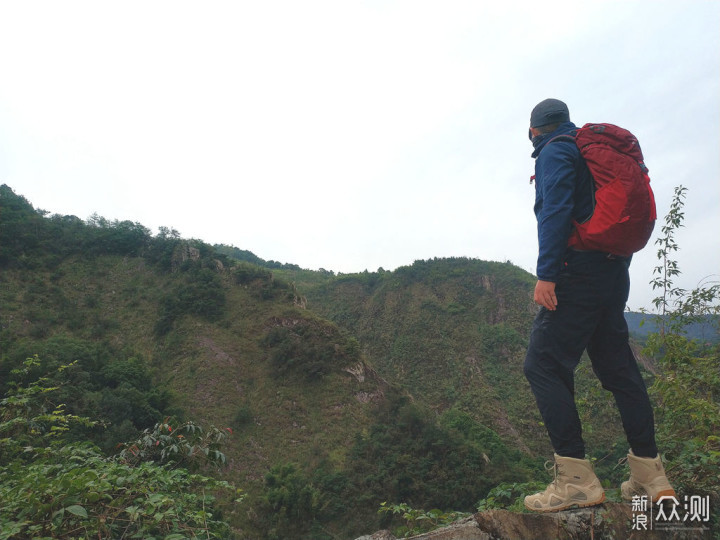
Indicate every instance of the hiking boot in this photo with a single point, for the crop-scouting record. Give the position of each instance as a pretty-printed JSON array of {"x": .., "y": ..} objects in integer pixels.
[
  {"x": 647, "y": 477},
  {"x": 575, "y": 484}
]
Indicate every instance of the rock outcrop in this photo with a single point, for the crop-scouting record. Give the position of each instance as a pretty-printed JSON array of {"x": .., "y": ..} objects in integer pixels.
[{"x": 609, "y": 521}]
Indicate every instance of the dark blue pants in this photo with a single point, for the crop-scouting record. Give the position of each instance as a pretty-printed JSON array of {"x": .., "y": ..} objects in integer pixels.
[{"x": 592, "y": 291}]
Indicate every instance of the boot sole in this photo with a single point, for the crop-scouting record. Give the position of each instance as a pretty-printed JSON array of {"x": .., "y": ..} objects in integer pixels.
[
  {"x": 601, "y": 500},
  {"x": 664, "y": 493},
  {"x": 656, "y": 498}
]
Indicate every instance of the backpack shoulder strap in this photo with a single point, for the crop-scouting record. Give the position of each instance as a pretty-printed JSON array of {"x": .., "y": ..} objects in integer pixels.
[{"x": 568, "y": 138}]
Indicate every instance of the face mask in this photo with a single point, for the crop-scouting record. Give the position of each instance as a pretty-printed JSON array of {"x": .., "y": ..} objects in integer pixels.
[{"x": 535, "y": 140}]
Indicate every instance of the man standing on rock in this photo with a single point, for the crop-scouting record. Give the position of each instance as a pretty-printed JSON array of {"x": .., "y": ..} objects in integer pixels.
[{"x": 582, "y": 295}]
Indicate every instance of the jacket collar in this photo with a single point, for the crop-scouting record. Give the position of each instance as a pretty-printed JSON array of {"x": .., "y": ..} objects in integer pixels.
[{"x": 540, "y": 141}]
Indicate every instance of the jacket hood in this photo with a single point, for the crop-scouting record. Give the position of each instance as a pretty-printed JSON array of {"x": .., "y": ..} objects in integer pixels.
[{"x": 539, "y": 142}]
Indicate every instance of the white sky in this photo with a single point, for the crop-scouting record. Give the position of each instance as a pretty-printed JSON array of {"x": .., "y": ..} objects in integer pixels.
[{"x": 352, "y": 135}]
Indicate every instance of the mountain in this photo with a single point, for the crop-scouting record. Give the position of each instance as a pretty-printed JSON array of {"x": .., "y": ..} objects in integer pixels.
[
  {"x": 324, "y": 429},
  {"x": 452, "y": 330},
  {"x": 641, "y": 325},
  {"x": 342, "y": 391}
]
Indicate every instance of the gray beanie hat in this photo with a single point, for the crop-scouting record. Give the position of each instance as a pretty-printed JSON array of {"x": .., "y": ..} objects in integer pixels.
[{"x": 549, "y": 111}]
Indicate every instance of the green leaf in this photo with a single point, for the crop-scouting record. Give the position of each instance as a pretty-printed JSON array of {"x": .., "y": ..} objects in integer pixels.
[{"x": 77, "y": 510}]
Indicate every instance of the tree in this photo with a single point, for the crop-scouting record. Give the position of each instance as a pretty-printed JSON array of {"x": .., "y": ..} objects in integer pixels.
[{"x": 687, "y": 386}]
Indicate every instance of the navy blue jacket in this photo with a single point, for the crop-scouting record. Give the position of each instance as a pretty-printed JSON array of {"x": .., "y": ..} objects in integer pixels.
[{"x": 563, "y": 193}]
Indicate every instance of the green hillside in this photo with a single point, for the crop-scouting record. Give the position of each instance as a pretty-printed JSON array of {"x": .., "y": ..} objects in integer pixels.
[
  {"x": 161, "y": 326},
  {"x": 342, "y": 392},
  {"x": 453, "y": 332}
]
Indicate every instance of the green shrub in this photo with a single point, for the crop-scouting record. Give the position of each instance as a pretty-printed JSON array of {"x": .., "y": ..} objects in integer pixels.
[
  {"x": 408, "y": 456},
  {"x": 199, "y": 292},
  {"x": 243, "y": 417},
  {"x": 245, "y": 274},
  {"x": 53, "y": 488},
  {"x": 418, "y": 521},
  {"x": 510, "y": 496},
  {"x": 308, "y": 348}
]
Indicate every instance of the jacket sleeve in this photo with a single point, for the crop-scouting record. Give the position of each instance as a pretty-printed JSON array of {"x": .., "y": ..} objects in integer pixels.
[{"x": 556, "y": 179}]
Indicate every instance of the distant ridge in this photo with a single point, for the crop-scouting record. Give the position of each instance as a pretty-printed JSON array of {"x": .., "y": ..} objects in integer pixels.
[
  {"x": 249, "y": 257},
  {"x": 643, "y": 324}
]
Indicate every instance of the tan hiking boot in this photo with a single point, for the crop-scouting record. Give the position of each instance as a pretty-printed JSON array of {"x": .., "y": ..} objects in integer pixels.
[
  {"x": 647, "y": 477},
  {"x": 575, "y": 484}
]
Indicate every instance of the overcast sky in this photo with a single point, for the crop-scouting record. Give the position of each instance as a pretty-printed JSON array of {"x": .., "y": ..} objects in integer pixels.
[{"x": 352, "y": 135}]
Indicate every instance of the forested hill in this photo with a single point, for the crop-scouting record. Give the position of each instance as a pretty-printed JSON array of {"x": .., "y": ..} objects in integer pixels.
[
  {"x": 341, "y": 391},
  {"x": 157, "y": 326},
  {"x": 641, "y": 325},
  {"x": 452, "y": 331}
]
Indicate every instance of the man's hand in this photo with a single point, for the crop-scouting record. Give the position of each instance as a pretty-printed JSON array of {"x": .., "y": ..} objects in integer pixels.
[{"x": 545, "y": 294}]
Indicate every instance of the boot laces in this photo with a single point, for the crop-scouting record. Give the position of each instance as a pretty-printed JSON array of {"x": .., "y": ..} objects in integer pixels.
[{"x": 555, "y": 468}]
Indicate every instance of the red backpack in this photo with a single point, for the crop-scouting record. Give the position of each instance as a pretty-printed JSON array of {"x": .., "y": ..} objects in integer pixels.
[{"x": 624, "y": 213}]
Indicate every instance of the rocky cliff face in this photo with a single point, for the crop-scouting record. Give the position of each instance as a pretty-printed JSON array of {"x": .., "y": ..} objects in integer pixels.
[{"x": 609, "y": 521}]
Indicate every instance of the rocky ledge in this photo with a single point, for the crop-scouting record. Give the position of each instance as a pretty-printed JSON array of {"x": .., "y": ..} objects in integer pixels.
[{"x": 609, "y": 521}]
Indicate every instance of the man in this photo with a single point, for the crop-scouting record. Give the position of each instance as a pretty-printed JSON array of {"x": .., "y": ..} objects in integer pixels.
[{"x": 582, "y": 295}]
